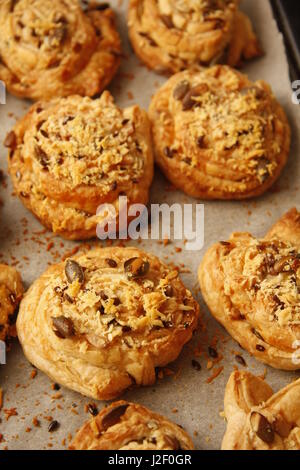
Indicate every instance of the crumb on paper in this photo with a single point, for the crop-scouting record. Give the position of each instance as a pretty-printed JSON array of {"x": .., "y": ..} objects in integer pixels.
[
  {"x": 215, "y": 374},
  {"x": 9, "y": 412},
  {"x": 35, "y": 422}
]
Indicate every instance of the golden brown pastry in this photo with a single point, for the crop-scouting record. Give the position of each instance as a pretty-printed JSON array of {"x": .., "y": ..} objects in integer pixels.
[
  {"x": 129, "y": 426},
  {"x": 173, "y": 35},
  {"x": 252, "y": 287},
  {"x": 257, "y": 418},
  {"x": 104, "y": 320},
  {"x": 70, "y": 155},
  {"x": 217, "y": 135},
  {"x": 51, "y": 48},
  {"x": 11, "y": 291}
]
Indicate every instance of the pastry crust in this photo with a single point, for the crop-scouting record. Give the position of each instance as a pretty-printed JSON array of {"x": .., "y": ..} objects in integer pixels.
[
  {"x": 251, "y": 287},
  {"x": 129, "y": 426},
  {"x": 123, "y": 315},
  {"x": 11, "y": 292},
  {"x": 173, "y": 35},
  {"x": 257, "y": 418},
  {"x": 217, "y": 135},
  {"x": 51, "y": 48},
  {"x": 71, "y": 155}
]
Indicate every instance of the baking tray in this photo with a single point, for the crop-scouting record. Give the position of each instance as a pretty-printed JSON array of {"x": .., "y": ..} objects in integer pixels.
[
  {"x": 182, "y": 393},
  {"x": 287, "y": 14}
]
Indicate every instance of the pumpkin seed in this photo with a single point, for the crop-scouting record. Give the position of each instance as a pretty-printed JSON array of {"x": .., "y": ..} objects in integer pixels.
[
  {"x": 74, "y": 272},
  {"x": 113, "y": 416}
]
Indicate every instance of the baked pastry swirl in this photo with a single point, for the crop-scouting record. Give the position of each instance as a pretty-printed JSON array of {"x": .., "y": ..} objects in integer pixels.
[
  {"x": 252, "y": 287},
  {"x": 173, "y": 35},
  {"x": 217, "y": 135},
  {"x": 104, "y": 320},
  {"x": 51, "y": 48},
  {"x": 11, "y": 292},
  {"x": 70, "y": 155},
  {"x": 129, "y": 426},
  {"x": 257, "y": 418}
]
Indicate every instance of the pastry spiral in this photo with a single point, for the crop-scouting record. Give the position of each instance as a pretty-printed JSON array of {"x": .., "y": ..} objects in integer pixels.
[
  {"x": 104, "y": 320},
  {"x": 51, "y": 48},
  {"x": 129, "y": 426},
  {"x": 217, "y": 135},
  {"x": 257, "y": 418},
  {"x": 173, "y": 35},
  {"x": 252, "y": 287},
  {"x": 11, "y": 291},
  {"x": 70, "y": 155}
]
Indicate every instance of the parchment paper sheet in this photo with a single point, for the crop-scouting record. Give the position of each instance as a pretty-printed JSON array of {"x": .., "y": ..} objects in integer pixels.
[{"x": 198, "y": 404}]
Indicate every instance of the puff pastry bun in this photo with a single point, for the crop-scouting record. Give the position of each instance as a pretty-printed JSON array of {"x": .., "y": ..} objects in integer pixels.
[
  {"x": 11, "y": 291},
  {"x": 70, "y": 155},
  {"x": 173, "y": 35},
  {"x": 257, "y": 418},
  {"x": 53, "y": 48},
  {"x": 104, "y": 320},
  {"x": 251, "y": 286},
  {"x": 217, "y": 135},
  {"x": 129, "y": 426}
]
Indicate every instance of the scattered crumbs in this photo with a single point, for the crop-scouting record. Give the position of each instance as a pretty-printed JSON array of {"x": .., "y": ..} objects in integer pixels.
[
  {"x": 222, "y": 414},
  {"x": 215, "y": 374},
  {"x": 35, "y": 422},
  {"x": 10, "y": 412},
  {"x": 175, "y": 410},
  {"x": 56, "y": 396},
  {"x": 166, "y": 241},
  {"x": 50, "y": 246},
  {"x": 33, "y": 374},
  {"x": 48, "y": 418},
  {"x": 70, "y": 253}
]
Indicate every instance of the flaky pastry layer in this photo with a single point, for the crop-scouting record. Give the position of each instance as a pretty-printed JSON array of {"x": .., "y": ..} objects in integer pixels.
[{"x": 103, "y": 321}]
